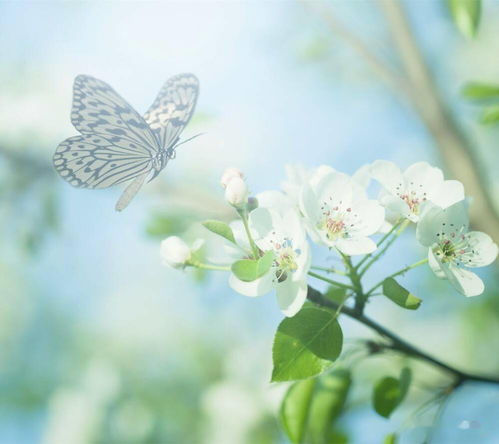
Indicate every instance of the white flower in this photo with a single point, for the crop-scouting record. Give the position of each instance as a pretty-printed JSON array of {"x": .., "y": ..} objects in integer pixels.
[
  {"x": 230, "y": 173},
  {"x": 298, "y": 177},
  {"x": 236, "y": 192},
  {"x": 407, "y": 194},
  {"x": 338, "y": 213},
  {"x": 176, "y": 253},
  {"x": 282, "y": 233},
  {"x": 452, "y": 246}
]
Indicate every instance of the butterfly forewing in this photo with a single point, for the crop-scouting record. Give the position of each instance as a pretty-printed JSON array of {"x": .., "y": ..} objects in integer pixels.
[
  {"x": 173, "y": 108},
  {"x": 99, "y": 109},
  {"x": 116, "y": 144}
]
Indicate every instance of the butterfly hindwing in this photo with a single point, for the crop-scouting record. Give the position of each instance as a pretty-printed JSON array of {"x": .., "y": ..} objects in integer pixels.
[
  {"x": 173, "y": 108},
  {"x": 92, "y": 161}
]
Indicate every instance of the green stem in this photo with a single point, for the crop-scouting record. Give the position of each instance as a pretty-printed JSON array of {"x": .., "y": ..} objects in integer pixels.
[
  {"x": 396, "y": 234},
  {"x": 330, "y": 281},
  {"x": 396, "y": 343},
  {"x": 328, "y": 270},
  {"x": 360, "y": 297},
  {"x": 402, "y": 271},
  {"x": 254, "y": 248},
  {"x": 209, "y": 266}
]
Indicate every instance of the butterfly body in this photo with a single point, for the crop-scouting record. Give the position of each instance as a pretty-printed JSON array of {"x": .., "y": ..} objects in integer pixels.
[{"x": 118, "y": 145}]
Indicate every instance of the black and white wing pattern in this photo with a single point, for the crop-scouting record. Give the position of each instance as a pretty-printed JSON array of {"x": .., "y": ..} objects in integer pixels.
[
  {"x": 116, "y": 144},
  {"x": 173, "y": 108}
]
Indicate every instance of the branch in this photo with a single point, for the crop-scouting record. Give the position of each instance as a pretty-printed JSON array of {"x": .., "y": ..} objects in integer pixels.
[
  {"x": 416, "y": 87},
  {"x": 378, "y": 65},
  {"x": 396, "y": 343},
  {"x": 455, "y": 147}
]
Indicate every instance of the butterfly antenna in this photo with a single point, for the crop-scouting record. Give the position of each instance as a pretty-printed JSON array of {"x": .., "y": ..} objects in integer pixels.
[{"x": 189, "y": 139}]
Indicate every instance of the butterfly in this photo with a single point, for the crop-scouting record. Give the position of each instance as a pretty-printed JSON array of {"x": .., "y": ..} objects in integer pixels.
[{"x": 116, "y": 144}]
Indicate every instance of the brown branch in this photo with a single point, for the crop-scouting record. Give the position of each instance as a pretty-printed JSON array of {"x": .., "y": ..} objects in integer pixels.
[{"x": 396, "y": 343}]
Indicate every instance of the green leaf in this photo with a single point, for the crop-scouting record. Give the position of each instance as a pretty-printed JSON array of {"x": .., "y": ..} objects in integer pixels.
[
  {"x": 337, "y": 437},
  {"x": 480, "y": 91},
  {"x": 338, "y": 295},
  {"x": 490, "y": 115},
  {"x": 389, "y": 392},
  {"x": 295, "y": 408},
  {"x": 398, "y": 294},
  {"x": 327, "y": 404},
  {"x": 466, "y": 15},
  {"x": 390, "y": 439},
  {"x": 306, "y": 344},
  {"x": 220, "y": 228},
  {"x": 249, "y": 269}
]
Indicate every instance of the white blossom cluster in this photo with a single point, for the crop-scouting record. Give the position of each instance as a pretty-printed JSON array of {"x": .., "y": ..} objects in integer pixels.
[{"x": 333, "y": 209}]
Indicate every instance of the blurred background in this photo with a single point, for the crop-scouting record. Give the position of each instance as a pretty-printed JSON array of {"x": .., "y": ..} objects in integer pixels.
[{"x": 99, "y": 342}]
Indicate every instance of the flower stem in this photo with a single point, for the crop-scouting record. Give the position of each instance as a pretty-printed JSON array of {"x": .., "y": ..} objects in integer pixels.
[
  {"x": 209, "y": 266},
  {"x": 328, "y": 270},
  {"x": 330, "y": 281},
  {"x": 395, "y": 232},
  {"x": 396, "y": 343},
  {"x": 254, "y": 248},
  {"x": 402, "y": 271}
]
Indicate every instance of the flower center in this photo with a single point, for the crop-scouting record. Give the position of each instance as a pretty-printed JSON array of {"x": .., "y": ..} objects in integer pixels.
[
  {"x": 454, "y": 246},
  {"x": 412, "y": 202},
  {"x": 285, "y": 258},
  {"x": 412, "y": 195},
  {"x": 336, "y": 220}
]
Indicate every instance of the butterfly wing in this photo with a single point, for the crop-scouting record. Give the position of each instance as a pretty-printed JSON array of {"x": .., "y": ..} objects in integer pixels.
[
  {"x": 115, "y": 145},
  {"x": 173, "y": 108}
]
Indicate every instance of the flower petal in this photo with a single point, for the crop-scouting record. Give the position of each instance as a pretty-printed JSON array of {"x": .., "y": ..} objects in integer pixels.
[
  {"x": 260, "y": 222},
  {"x": 240, "y": 236},
  {"x": 309, "y": 204},
  {"x": 435, "y": 265},
  {"x": 436, "y": 221},
  {"x": 275, "y": 200},
  {"x": 362, "y": 176},
  {"x": 484, "y": 250},
  {"x": 421, "y": 176},
  {"x": 367, "y": 217},
  {"x": 448, "y": 193},
  {"x": 388, "y": 175},
  {"x": 356, "y": 245},
  {"x": 335, "y": 188},
  {"x": 319, "y": 173},
  {"x": 464, "y": 281},
  {"x": 291, "y": 296},
  {"x": 395, "y": 207},
  {"x": 254, "y": 288}
]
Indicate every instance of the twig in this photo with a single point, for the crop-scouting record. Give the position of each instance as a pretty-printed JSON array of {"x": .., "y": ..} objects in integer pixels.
[
  {"x": 396, "y": 343},
  {"x": 378, "y": 65}
]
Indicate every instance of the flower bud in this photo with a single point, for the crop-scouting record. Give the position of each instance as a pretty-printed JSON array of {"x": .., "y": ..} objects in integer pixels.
[
  {"x": 229, "y": 174},
  {"x": 236, "y": 192},
  {"x": 175, "y": 252}
]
